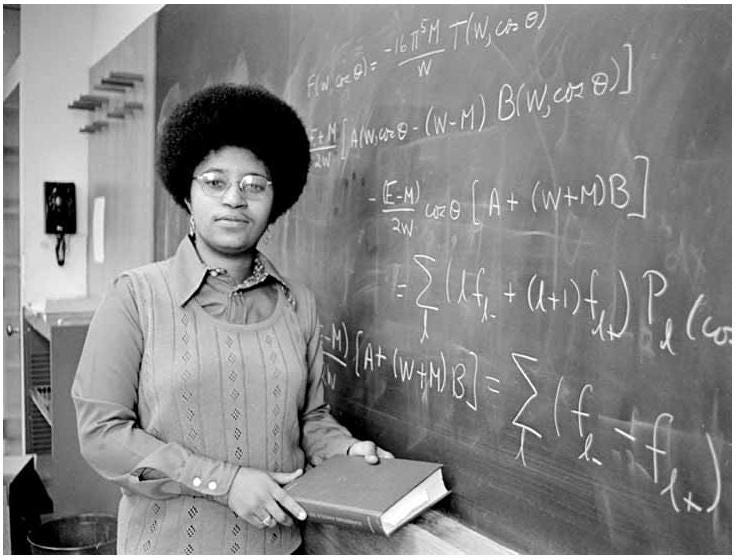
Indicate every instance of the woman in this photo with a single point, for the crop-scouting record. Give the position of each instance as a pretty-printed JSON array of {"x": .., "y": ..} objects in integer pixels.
[{"x": 199, "y": 388}]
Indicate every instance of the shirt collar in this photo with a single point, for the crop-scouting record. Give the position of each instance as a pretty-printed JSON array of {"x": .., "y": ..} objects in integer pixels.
[{"x": 190, "y": 272}]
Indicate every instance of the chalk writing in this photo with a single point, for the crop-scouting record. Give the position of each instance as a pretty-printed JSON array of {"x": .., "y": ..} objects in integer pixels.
[
  {"x": 481, "y": 30},
  {"x": 516, "y": 422},
  {"x": 457, "y": 375},
  {"x": 321, "y": 83},
  {"x": 610, "y": 319},
  {"x": 613, "y": 190},
  {"x": 515, "y": 101},
  {"x": 472, "y": 117},
  {"x": 522, "y": 266},
  {"x": 718, "y": 335},
  {"x": 419, "y": 45}
]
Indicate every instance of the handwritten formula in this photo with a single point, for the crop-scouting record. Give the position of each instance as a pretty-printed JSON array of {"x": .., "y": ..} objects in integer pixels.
[
  {"x": 417, "y": 48},
  {"x": 522, "y": 223},
  {"x": 459, "y": 377}
]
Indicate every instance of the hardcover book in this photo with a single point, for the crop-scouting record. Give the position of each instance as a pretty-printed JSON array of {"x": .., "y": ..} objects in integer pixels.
[{"x": 380, "y": 498}]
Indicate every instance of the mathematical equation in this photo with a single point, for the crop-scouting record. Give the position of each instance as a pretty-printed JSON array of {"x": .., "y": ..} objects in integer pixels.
[
  {"x": 461, "y": 379},
  {"x": 418, "y": 47},
  {"x": 423, "y": 213},
  {"x": 610, "y": 318},
  {"x": 539, "y": 100},
  {"x": 337, "y": 139},
  {"x": 401, "y": 200}
]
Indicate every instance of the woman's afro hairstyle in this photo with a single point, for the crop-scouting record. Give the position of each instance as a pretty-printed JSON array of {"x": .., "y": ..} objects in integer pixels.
[{"x": 243, "y": 116}]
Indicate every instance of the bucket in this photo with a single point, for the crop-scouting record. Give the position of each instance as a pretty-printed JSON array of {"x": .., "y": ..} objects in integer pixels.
[{"x": 88, "y": 533}]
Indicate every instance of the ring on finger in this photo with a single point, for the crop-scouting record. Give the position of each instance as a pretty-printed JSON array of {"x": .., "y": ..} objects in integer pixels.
[{"x": 267, "y": 520}]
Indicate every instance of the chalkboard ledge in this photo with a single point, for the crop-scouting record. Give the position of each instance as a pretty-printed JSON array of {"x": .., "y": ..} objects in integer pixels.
[{"x": 431, "y": 533}]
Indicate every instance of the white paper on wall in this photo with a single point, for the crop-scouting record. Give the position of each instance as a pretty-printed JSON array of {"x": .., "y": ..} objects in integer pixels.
[{"x": 98, "y": 229}]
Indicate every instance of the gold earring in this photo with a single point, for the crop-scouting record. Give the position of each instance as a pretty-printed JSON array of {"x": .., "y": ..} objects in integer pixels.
[{"x": 192, "y": 227}]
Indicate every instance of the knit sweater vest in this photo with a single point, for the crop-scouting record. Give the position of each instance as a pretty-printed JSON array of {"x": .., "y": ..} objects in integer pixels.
[{"x": 226, "y": 391}]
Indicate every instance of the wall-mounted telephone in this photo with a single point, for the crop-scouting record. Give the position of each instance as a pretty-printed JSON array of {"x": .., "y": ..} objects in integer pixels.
[{"x": 61, "y": 214}]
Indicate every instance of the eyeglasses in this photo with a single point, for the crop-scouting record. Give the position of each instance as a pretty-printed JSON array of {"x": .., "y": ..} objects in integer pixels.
[{"x": 216, "y": 184}]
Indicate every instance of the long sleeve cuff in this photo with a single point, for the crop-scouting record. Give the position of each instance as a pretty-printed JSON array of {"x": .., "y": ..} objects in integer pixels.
[
  {"x": 174, "y": 470},
  {"x": 323, "y": 436},
  {"x": 143, "y": 464}
]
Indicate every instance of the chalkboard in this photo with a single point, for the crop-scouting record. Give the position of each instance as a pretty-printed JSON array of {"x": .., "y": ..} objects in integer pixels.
[{"x": 518, "y": 228}]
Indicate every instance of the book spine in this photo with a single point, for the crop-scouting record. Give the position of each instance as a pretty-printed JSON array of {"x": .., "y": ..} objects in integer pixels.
[{"x": 344, "y": 517}]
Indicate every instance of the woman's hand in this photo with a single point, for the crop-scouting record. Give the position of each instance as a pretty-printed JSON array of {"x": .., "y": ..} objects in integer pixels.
[
  {"x": 370, "y": 451},
  {"x": 257, "y": 497}
]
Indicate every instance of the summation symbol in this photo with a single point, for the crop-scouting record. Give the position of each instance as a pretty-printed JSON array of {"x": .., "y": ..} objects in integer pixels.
[{"x": 516, "y": 357}]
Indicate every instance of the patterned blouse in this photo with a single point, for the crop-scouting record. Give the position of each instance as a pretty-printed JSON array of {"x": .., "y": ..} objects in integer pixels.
[{"x": 186, "y": 376}]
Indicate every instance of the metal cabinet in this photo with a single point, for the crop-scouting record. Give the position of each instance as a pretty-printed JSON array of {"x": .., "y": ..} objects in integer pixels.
[{"x": 52, "y": 347}]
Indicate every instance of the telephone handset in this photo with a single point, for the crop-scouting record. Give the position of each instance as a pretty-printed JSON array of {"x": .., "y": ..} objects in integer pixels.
[{"x": 61, "y": 214}]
